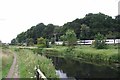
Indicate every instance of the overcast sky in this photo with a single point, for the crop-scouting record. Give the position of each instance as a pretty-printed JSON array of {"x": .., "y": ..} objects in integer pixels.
[{"x": 17, "y": 16}]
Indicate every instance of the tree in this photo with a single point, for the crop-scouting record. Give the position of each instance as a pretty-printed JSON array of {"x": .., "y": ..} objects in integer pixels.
[
  {"x": 111, "y": 35},
  {"x": 30, "y": 42},
  {"x": 84, "y": 28},
  {"x": 84, "y": 31},
  {"x": 56, "y": 33},
  {"x": 49, "y": 31},
  {"x": 41, "y": 42},
  {"x": 100, "y": 41},
  {"x": 47, "y": 43},
  {"x": 13, "y": 42},
  {"x": 63, "y": 37},
  {"x": 52, "y": 40},
  {"x": 71, "y": 37}
]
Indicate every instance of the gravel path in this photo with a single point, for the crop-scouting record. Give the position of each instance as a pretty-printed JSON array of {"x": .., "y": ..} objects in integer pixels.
[{"x": 13, "y": 72}]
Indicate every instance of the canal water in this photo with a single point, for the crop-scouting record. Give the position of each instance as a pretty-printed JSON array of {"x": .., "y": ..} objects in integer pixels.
[{"x": 67, "y": 68}]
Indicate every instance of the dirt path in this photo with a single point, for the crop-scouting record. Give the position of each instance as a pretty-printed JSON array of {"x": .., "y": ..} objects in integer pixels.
[{"x": 13, "y": 72}]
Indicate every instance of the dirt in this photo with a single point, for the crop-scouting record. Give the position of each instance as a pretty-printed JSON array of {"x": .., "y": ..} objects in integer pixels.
[{"x": 13, "y": 72}]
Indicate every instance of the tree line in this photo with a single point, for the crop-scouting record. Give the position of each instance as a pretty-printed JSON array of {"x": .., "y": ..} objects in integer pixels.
[{"x": 84, "y": 28}]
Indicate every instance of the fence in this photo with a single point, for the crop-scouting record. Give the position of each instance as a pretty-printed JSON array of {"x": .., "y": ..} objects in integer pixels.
[{"x": 38, "y": 74}]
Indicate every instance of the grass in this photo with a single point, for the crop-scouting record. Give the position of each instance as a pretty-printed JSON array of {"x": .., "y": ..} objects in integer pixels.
[
  {"x": 86, "y": 52},
  {"x": 0, "y": 68},
  {"x": 7, "y": 59},
  {"x": 27, "y": 61},
  {"x": 98, "y": 55}
]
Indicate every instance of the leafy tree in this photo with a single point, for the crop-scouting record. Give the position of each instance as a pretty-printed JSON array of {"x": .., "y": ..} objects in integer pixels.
[
  {"x": 47, "y": 43},
  {"x": 13, "y": 42},
  {"x": 41, "y": 42},
  {"x": 93, "y": 23},
  {"x": 21, "y": 37},
  {"x": 30, "y": 42},
  {"x": 112, "y": 35},
  {"x": 52, "y": 40},
  {"x": 49, "y": 31},
  {"x": 57, "y": 33},
  {"x": 63, "y": 37},
  {"x": 71, "y": 37},
  {"x": 84, "y": 31},
  {"x": 100, "y": 41}
]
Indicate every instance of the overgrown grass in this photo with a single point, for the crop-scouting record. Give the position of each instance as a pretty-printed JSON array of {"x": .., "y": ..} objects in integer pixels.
[
  {"x": 7, "y": 60},
  {"x": 86, "y": 52},
  {"x": 97, "y": 55},
  {"x": 27, "y": 61}
]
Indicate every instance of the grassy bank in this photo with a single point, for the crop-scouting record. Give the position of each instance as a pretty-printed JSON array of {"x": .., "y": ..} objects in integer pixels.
[
  {"x": 7, "y": 60},
  {"x": 27, "y": 61},
  {"x": 86, "y": 52}
]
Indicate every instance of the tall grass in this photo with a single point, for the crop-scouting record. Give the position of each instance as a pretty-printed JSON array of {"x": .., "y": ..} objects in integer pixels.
[
  {"x": 27, "y": 61},
  {"x": 7, "y": 60}
]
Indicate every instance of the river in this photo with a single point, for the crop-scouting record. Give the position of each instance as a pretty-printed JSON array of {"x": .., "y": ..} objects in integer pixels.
[{"x": 67, "y": 68}]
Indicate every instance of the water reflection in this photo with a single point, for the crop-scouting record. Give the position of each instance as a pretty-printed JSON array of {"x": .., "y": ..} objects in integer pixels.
[{"x": 77, "y": 69}]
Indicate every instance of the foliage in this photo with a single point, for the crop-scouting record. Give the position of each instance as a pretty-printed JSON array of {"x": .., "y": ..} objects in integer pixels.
[
  {"x": 87, "y": 53},
  {"x": 71, "y": 37},
  {"x": 13, "y": 42},
  {"x": 100, "y": 42},
  {"x": 63, "y": 38},
  {"x": 41, "y": 42},
  {"x": 30, "y": 42},
  {"x": 27, "y": 62},
  {"x": 5, "y": 46},
  {"x": 47, "y": 43},
  {"x": 52, "y": 40},
  {"x": 84, "y": 31},
  {"x": 86, "y": 28},
  {"x": 7, "y": 59}
]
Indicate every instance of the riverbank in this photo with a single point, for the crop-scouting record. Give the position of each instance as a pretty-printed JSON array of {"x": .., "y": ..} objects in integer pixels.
[
  {"x": 27, "y": 61},
  {"x": 69, "y": 68},
  {"x": 86, "y": 53}
]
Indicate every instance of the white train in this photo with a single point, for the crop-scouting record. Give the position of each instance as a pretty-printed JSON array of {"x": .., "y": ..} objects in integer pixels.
[{"x": 108, "y": 41}]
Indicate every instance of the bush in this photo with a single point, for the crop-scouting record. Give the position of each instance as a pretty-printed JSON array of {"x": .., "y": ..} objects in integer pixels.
[
  {"x": 100, "y": 42},
  {"x": 41, "y": 42}
]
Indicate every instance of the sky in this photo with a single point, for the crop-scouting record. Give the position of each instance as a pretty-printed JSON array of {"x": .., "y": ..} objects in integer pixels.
[{"x": 17, "y": 16}]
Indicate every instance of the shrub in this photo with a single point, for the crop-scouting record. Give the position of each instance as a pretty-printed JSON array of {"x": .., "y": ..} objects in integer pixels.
[
  {"x": 100, "y": 42},
  {"x": 41, "y": 42}
]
